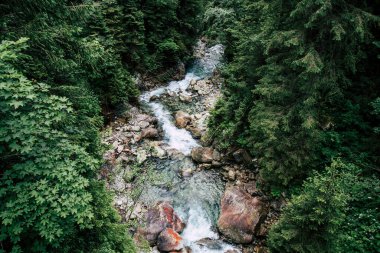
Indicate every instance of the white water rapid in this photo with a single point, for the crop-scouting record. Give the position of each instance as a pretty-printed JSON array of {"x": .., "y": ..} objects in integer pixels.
[
  {"x": 196, "y": 199},
  {"x": 176, "y": 138}
]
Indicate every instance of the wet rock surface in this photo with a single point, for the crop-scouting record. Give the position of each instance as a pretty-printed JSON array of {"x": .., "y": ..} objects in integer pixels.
[
  {"x": 169, "y": 240},
  {"x": 159, "y": 218},
  {"x": 241, "y": 215}
]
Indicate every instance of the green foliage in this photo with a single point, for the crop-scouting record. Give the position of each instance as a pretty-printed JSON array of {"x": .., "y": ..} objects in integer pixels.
[
  {"x": 299, "y": 83},
  {"x": 107, "y": 234},
  {"x": 78, "y": 62},
  {"x": 301, "y": 94},
  {"x": 42, "y": 179},
  {"x": 337, "y": 211},
  {"x": 65, "y": 52}
]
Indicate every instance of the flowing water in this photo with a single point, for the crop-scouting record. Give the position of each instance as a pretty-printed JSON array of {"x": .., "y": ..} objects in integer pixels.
[{"x": 196, "y": 199}]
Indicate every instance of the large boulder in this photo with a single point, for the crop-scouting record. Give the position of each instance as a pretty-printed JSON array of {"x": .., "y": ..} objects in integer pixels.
[
  {"x": 160, "y": 217},
  {"x": 149, "y": 132},
  {"x": 169, "y": 240},
  {"x": 241, "y": 215},
  {"x": 204, "y": 155},
  {"x": 182, "y": 119}
]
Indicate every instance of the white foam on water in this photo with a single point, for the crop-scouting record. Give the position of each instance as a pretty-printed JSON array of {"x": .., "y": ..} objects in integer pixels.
[
  {"x": 176, "y": 138},
  {"x": 199, "y": 226}
]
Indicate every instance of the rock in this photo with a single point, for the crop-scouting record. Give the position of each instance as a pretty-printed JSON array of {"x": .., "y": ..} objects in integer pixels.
[
  {"x": 169, "y": 240},
  {"x": 250, "y": 188},
  {"x": 242, "y": 156},
  {"x": 260, "y": 249},
  {"x": 231, "y": 175},
  {"x": 141, "y": 156},
  {"x": 187, "y": 172},
  {"x": 187, "y": 249},
  {"x": 185, "y": 97},
  {"x": 155, "y": 250},
  {"x": 205, "y": 166},
  {"x": 171, "y": 93},
  {"x": 263, "y": 231},
  {"x": 135, "y": 128},
  {"x": 143, "y": 124},
  {"x": 154, "y": 98},
  {"x": 182, "y": 119},
  {"x": 210, "y": 244},
  {"x": 216, "y": 155},
  {"x": 149, "y": 133},
  {"x": 159, "y": 217},
  {"x": 196, "y": 132},
  {"x": 241, "y": 215},
  {"x": 202, "y": 155},
  {"x": 115, "y": 144},
  {"x": 120, "y": 149},
  {"x": 192, "y": 82},
  {"x": 158, "y": 152},
  {"x": 180, "y": 71},
  {"x": 201, "y": 87},
  {"x": 152, "y": 120}
]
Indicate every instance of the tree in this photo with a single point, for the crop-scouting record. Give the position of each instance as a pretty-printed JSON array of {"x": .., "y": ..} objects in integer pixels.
[
  {"x": 337, "y": 211},
  {"x": 296, "y": 93},
  {"x": 47, "y": 177}
]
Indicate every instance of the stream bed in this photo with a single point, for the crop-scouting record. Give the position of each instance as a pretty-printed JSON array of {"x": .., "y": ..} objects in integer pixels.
[{"x": 195, "y": 198}]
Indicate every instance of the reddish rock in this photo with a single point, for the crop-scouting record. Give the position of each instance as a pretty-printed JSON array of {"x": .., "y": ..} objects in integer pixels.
[
  {"x": 169, "y": 240},
  {"x": 241, "y": 215},
  {"x": 160, "y": 217},
  {"x": 149, "y": 133},
  {"x": 202, "y": 155}
]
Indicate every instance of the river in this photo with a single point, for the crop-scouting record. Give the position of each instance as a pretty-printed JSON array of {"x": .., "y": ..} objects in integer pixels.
[{"x": 196, "y": 198}]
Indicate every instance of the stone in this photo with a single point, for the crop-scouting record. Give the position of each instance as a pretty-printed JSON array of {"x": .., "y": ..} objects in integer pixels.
[
  {"x": 149, "y": 133},
  {"x": 135, "y": 128},
  {"x": 201, "y": 87},
  {"x": 154, "y": 98},
  {"x": 169, "y": 240},
  {"x": 152, "y": 120},
  {"x": 182, "y": 119},
  {"x": 202, "y": 154},
  {"x": 181, "y": 71},
  {"x": 216, "y": 155},
  {"x": 160, "y": 217},
  {"x": 231, "y": 175},
  {"x": 120, "y": 148},
  {"x": 185, "y": 97},
  {"x": 192, "y": 82},
  {"x": 141, "y": 156},
  {"x": 210, "y": 244},
  {"x": 158, "y": 152},
  {"x": 242, "y": 156},
  {"x": 241, "y": 215},
  {"x": 187, "y": 172},
  {"x": 261, "y": 249},
  {"x": 143, "y": 124},
  {"x": 171, "y": 93},
  {"x": 196, "y": 132},
  {"x": 115, "y": 144},
  {"x": 250, "y": 187}
]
